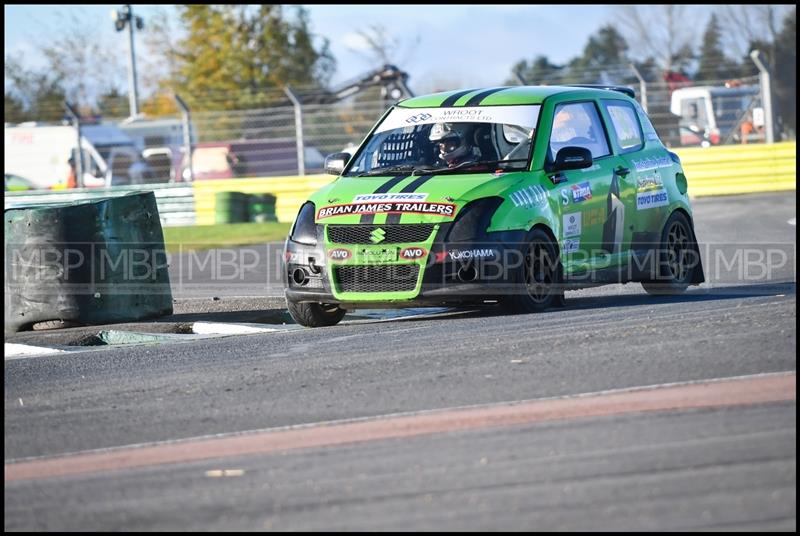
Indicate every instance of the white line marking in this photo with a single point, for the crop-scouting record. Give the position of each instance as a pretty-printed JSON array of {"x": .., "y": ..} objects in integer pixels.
[
  {"x": 793, "y": 221},
  {"x": 224, "y": 328},
  {"x": 14, "y": 351}
]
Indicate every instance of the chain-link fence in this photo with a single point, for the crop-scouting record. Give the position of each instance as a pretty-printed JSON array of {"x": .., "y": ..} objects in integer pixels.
[
  {"x": 686, "y": 112},
  {"x": 288, "y": 132}
]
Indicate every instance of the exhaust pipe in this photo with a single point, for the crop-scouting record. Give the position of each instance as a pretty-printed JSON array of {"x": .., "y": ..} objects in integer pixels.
[
  {"x": 467, "y": 274},
  {"x": 300, "y": 277}
]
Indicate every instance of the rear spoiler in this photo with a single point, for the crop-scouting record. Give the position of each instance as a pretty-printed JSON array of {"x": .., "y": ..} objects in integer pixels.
[{"x": 622, "y": 89}]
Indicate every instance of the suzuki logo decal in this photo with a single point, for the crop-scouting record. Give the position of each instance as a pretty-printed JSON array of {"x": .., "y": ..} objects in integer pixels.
[{"x": 377, "y": 235}]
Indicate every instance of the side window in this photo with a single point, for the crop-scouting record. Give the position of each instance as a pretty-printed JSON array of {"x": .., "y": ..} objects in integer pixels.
[
  {"x": 578, "y": 125},
  {"x": 625, "y": 123},
  {"x": 650, "y": 133}
]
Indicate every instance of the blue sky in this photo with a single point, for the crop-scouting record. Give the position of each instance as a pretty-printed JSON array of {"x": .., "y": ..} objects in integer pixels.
[{"x": 441, "y": 47}]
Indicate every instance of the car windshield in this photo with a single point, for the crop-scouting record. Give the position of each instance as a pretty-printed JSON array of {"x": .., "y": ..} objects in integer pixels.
[{"x": 456, "y": 140}]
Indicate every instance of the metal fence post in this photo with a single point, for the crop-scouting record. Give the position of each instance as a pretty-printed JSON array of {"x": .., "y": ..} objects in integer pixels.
[
  {"x": 642, "y": 87},
  {"x": 298, "y": 126},
  {"x": 187, "y": 135},
  {"x": 76, "y": 119},
  {"x": 766, "y": 96}
]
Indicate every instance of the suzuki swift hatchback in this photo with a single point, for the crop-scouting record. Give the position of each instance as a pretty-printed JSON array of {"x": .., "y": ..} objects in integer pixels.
[{"x": 504, "y": 196}]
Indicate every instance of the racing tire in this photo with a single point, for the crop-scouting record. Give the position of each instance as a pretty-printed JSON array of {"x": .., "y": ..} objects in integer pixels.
[
  {"x": 673, "y": 270},
  {"x": 539, "y": 280},
  {"x": 315, "y": 315}
]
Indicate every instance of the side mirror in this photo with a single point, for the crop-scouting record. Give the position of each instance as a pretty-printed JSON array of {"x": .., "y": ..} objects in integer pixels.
[
  {"x": 334, "y": 163},
  {"x": 572, "y": 158}
]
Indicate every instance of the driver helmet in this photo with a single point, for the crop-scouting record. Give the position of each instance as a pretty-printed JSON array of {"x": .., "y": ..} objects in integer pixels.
[{"x": 453, "y": 140}]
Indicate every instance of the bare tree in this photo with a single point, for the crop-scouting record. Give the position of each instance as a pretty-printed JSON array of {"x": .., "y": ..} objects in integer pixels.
[
  {"x": 160, "y": 41},
  {"x": 657, "y": 31},
  {"x": 88, "y": 64},
  {"x": 381, "y": 48},
  {"x": 744, "y": 25}
]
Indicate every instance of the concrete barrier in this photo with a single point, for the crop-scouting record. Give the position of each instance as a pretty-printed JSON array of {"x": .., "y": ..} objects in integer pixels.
[
  {"x": 740, "y": 169},
  {"x": 91, "y": 262}
]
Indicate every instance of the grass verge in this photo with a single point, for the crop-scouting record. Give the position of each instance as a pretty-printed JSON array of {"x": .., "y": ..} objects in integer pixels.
[{"x": 196, "y": 237}]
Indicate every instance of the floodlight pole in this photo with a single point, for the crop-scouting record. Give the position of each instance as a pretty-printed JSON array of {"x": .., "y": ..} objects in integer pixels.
[{"x": 121, "y": 19}]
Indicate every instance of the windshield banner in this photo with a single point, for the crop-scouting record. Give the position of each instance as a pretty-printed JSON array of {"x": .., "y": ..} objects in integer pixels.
[{"x": 524, "y": 116}]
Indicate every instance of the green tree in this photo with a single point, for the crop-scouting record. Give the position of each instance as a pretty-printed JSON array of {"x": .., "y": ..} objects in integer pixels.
[
  {"x": 41, "y": 95},
  {"x": 233, "y": 54},
  {"x": 607, "y": 48},
  {"x": 538, "y": 71},
  {"x": 13, "y": 109},
  {"x": 713, "y": 64},
  {"x": 113, "y": 104}
]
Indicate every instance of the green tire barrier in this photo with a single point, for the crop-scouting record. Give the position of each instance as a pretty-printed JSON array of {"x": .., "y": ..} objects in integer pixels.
[
  {"x": 238, "y": 207},
  {"x": 262, "y": 208},
  {"x": 231, "y": 207},
  {"x": 89, "y": 262}
]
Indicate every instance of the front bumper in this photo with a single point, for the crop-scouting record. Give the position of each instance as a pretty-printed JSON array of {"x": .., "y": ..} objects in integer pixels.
[{"x": 475, "y": 272}]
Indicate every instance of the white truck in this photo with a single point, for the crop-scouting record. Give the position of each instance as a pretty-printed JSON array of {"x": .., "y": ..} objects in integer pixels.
[
  {"x": 712, "y": 114},
  {"x": 41, "y": 155}
]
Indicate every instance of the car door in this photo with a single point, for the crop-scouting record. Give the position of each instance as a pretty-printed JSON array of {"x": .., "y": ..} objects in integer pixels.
[
  {"x": 646, "y": 160},
  {"x": 593, "y": 215}
]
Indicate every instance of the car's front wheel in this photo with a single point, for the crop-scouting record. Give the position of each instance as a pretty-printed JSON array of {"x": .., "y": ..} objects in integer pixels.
[
  {"x": 675, "y": 256},
  {"x": 315, "y": 315},
  {"x": 539, "y": 279}
]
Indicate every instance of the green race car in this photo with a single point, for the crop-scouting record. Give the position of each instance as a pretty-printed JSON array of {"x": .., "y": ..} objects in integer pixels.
[{"x": 506, "y": 196}]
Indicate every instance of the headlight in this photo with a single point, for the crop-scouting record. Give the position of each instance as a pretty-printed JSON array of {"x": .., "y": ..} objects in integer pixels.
[
  {"x": 474, "y": 219},
  {"x": 304, "y": 230}
]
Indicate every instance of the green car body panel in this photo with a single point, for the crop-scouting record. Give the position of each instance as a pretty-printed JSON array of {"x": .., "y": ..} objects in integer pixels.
[{"x": 596, "y": 215}]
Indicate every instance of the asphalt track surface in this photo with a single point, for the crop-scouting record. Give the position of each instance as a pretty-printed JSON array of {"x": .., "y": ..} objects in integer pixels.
[{"x": 718, "y": 467}]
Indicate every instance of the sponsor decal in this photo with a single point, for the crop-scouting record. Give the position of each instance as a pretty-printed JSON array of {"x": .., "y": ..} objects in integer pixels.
[
  {"x": 447, "y": 210},
  {"x": 649, "y": 182},
  {"x": 525, "y": 115},
  {"x": 565, "y": 197},
  {"x": 383, "y": 188},
  {"x": 652, "y": 199},
  {"x": 571, "y": 245},
  {"x": 371, "y": 198},
  {"x": 652, "y": 162},
  {"x": 339, "y": 254},
  {"x": 377, "y": 255},
  {"x": 532, "y": 196},
  {"x": 413, "y": 253},
  {"x": 572, "y": 224},
  {"x": 581, "y": 192},
  {"x": 466, "y": 254},
  {"x": 291, "y": 256},
  {"x": 418, "y": 118}
]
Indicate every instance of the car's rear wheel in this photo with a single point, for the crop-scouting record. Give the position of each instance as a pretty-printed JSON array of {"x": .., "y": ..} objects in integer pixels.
[
  {"x": 675, "y": 257},
  {"x": 315, "y": 315},
  {"x": 539, "y": 278}
]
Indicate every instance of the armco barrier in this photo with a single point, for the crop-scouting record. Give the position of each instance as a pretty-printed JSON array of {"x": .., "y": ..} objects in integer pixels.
[
  {"x": 740, "y": 169},
  {"x": 175, "y": 201},
  {"x": 290, "y": 192}
]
